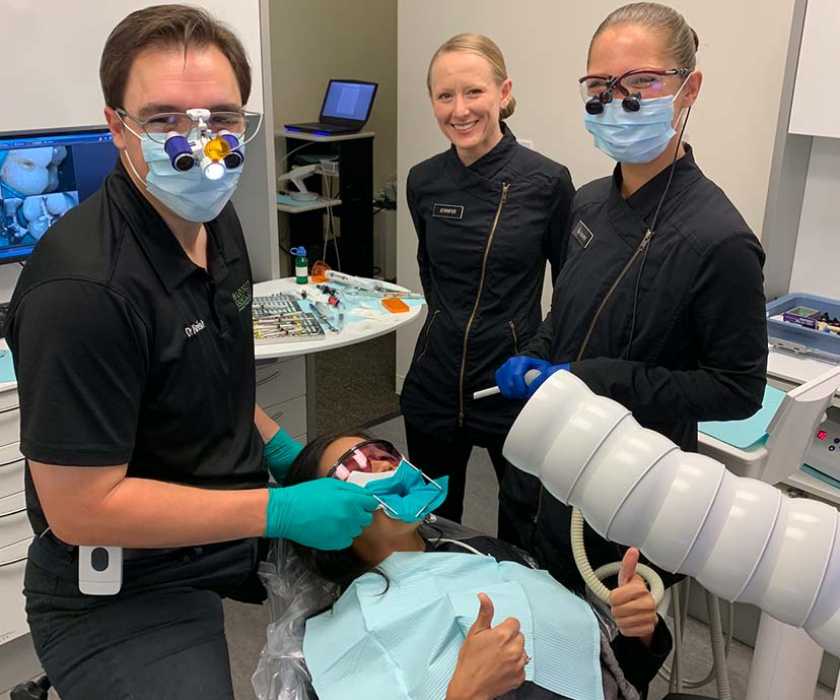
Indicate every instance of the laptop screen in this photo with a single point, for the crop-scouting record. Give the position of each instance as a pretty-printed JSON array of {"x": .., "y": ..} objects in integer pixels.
[{"x": 348, "y": 100}]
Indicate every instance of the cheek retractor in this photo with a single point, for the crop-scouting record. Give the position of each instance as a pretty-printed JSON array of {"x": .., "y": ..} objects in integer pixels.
[{"x": 741, "y": 538}]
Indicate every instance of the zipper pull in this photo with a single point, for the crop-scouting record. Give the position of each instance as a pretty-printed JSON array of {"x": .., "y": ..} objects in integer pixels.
[
  {"x": 505, "y": 188},
  {"x": 646, "y": 240}
]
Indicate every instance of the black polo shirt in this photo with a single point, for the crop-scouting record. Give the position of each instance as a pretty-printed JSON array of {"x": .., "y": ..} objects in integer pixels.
[{"x": 128, "y": 352}]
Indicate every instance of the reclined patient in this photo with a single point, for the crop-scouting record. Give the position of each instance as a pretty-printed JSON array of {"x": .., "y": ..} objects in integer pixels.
[{"x": 421, "y": 616}]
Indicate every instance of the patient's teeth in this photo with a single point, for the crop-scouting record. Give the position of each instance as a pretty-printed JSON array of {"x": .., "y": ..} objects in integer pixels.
[
  {"x": 25, "y": 170},
  {"x": 59, "y": 154},
  {"x": 57, "y": 203},
  {"x": 32, "y": 208},
  {"x": 39, "y": 228}
]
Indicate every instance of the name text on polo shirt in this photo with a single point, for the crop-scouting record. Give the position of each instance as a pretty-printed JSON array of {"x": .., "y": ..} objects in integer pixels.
[{"x": 194, "y": 328}]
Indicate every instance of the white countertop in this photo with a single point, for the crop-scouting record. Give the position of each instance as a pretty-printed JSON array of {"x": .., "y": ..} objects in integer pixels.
[{"x": 354, "y": 332}]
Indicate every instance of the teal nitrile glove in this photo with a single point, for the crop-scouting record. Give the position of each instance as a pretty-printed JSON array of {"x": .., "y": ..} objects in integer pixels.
[
  {"x": 537, "y": 381},
  {"x": 510, "y": 377},
  {"x": 280, "y": 452},
  {"x": 324, "y": 513}
]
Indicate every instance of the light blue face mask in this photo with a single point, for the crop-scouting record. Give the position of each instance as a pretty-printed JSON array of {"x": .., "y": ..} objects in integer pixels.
[
  {"x": 634, "y": 137},
  {"x": 190, "y": 194},
  {"x": 405, "y": 493}
]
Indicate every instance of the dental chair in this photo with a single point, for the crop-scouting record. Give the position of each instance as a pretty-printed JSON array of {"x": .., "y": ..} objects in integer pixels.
[{"x": 297, "y": 593}]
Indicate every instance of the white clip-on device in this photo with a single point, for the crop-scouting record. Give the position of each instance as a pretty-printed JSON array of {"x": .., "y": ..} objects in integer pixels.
[{"x": 100, "y": 570}]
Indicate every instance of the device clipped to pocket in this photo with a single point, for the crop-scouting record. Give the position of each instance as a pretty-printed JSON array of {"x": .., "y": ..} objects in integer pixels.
[{"x": 100, "y": 570}]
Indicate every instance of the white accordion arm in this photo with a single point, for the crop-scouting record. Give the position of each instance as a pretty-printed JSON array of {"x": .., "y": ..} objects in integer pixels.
[{"x": 740, "y": 538}]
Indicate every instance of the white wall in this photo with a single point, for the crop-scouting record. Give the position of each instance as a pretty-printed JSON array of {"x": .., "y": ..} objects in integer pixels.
[
  {"x": 815, "y": 263},
  {"x": 315, "y": 40},
  {"x": 743, "y": 47},
  {"x": 51, "y": 59}
]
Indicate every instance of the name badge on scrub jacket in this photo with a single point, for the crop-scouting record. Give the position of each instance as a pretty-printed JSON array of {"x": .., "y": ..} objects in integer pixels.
[
  {"x": 448, "y": 211},
  {"x": 582, "y": 234}
]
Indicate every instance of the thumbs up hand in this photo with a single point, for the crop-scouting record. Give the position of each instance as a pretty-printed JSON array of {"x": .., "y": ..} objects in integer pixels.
[
  {"x": 632, "y": 605},
  {"x": 492, "y": 659}
]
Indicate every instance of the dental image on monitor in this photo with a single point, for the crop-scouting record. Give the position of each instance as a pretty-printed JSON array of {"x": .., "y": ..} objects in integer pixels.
[{"x": 42, "y": 177}]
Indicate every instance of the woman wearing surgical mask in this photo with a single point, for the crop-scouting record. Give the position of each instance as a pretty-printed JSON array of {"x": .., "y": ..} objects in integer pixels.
[
  {"x": 660, "y": 304},
  {"x": 489, "y": 213}
]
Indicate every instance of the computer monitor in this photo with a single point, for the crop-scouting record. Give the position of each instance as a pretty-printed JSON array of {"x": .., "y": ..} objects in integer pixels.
[{"x": 44, "y": 174}]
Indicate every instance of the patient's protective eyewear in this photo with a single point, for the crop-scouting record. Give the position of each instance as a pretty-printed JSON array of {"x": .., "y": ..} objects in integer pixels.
[
  {"x": 368, "y": 456},
  {"x": 373, "y": 456}
]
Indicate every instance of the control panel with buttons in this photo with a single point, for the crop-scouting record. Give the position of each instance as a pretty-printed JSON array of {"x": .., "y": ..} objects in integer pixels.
[{"x": 824, "y": 453}]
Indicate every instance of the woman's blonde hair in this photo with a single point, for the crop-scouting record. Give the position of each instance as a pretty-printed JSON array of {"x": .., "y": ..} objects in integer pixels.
[
  {"x": 681, "y": 41},
  {"x": 482, "y": 46}
]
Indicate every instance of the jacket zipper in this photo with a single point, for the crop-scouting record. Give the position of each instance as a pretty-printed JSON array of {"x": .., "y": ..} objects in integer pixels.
[
  {"x": 641, "y": 249},
  {"x": 502, "y": 200},
  {"x": 428, "y": 334},
  {"x": 515, "y": 339}
]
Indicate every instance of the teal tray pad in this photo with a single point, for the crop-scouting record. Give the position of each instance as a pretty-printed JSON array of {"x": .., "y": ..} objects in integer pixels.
[{"x": 749, "y": 432}]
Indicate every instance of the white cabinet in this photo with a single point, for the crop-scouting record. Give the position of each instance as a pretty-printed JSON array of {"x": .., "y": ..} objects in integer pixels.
[
  {"x": 816, "y": 100},
  {"x": 281, "y": 393},
  {"x": 12, "y": 613},
  {"x": 15, "y": 533}
]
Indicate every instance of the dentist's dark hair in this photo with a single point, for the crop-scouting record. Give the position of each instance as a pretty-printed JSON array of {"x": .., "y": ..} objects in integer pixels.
[
  {"x": 342, "y": 566},
  {"x": 166, "y": 27}
]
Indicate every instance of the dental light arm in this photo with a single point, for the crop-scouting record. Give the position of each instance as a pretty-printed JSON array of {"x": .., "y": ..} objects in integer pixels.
[{"x": 741, "y": 538}]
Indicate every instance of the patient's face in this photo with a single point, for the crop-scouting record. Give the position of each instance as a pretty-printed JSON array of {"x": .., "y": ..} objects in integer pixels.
[{"x": 382, "y": 526}]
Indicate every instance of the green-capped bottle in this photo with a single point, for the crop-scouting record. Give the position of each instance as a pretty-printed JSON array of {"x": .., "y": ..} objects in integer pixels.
[{"x": 301, "y": 265}]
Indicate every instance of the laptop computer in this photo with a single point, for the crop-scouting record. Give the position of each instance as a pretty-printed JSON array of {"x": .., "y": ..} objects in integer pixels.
[{"x": 346, "y": 108}]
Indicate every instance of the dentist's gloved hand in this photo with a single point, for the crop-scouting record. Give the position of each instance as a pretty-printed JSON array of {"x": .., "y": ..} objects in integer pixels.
[
  {"x": 279, "y": 453},
  {"x": 537, "y": 381},
  {"x": 324, "y": 513},
  {"x": 510, "y": 377}
]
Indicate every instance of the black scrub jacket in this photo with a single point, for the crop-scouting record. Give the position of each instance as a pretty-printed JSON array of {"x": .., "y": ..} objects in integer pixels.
[
  {"x": 485, "y": 233},
  {"x": 699, "y": 349},
  {"x": 128, "y": 352}
]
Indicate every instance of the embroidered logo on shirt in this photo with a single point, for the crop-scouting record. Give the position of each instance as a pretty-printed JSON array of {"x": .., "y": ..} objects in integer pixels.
[
  {"x": 582, "y": 234},
  {"x": 194, "y": 328},
  {"x": 242, "y": 296},
  {"x": 448, "y": 211}
]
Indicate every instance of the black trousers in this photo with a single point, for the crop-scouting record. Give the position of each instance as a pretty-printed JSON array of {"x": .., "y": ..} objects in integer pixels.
[
  {"x": 160, "y": 638},
  {"x": 448, "y": 457}
]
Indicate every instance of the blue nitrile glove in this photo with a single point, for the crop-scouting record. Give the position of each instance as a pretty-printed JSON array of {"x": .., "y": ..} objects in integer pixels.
[
  {"x": 537, "y": 382},
  {"x": 510, "y": 377},
  {"x": 324, "y": 513},
  {"x": 280, "y": 452}
]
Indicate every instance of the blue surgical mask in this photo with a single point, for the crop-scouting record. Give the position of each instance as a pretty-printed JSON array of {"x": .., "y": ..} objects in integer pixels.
[
  {"x": 190, "y": 194},
  {"x": 406, "y": 494},
  {"x": 634, "y": 137}
]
